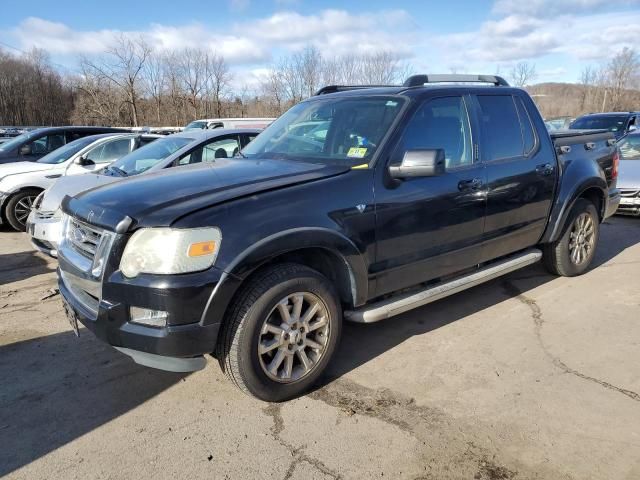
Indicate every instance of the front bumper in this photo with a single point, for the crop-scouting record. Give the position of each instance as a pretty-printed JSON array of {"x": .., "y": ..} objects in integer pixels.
[
  {"x": 3, "y": 198},
  {"x": 44, "y": 232},
  {"x": 104, "y": 308}
]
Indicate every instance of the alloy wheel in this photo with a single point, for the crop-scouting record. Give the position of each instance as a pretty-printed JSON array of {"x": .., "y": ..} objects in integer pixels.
[
  {"x": 22, "y": 209},
  {"x": 294, "y": 337},
  {"x": 582, "y": 239}
]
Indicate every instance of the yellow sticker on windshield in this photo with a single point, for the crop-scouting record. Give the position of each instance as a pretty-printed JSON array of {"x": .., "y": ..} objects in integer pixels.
[{"x": 356, "y": 152}]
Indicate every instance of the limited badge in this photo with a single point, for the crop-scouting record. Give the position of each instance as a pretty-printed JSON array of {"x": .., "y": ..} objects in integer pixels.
[{"x": 357, "y": 152}]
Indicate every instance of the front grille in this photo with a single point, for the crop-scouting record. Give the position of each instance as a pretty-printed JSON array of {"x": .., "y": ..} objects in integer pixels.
[
  {"x": 40, "y": 215},
  {"x": 629, "y": 192},
  {"x": 83, "y": 238}
]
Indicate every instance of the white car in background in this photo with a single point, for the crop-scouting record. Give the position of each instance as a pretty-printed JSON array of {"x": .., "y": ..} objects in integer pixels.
[
  {"x": 194, "y": 146},
  {"x": 22, "y": 182},
  {"x": 212, "y": 123}
]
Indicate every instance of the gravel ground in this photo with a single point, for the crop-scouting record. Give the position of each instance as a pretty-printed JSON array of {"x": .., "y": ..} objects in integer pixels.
[{"x": 529, "y": 376}]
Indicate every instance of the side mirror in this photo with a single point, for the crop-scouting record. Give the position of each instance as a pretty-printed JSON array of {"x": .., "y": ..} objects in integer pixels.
[
  {"x": 420, "y": 163},
  {"x": 25, "y": 149},
  {"x": 633, "y": 128},
  {"x": 83, "y": 161}
]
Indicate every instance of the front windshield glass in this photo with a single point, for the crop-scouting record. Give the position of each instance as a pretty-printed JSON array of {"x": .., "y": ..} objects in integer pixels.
[
  {"x": 148, "y": 156},
  {"x": 15, "y": 142},
  {"x": 337, "y": 130},
  {"x": 611, "y": 123},
  {"x": 630, "y": 147},
  {"x": 196, "y": 125},
  {"x": 63, "y": 154}
]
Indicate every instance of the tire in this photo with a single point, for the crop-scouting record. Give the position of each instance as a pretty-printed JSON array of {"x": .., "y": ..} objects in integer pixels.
[
  {"x": 256, "y": 319},
  {"x": 573, "y": 252},
  {"x": 18, "y": 208}
]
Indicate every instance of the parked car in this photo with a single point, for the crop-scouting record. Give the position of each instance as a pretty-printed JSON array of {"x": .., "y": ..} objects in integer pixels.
[
  {"x": 35, "y": 144},
  {"x": 44, "y": 224},
  {"x": 415, "y": 192},
  {"x": 629, "y": 179},
  {"x": 211, "y": 123},
  {"x": 558, "y": 123},
  {"x": 22, "y": 182},
  {"x": 619, "y": 123}
]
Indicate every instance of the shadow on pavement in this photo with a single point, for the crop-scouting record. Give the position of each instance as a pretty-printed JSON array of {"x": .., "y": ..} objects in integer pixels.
[
  {"x": 58, "y": 388},
  {"x": 22, "y": 265},
  {"x": 362, "y": 343}
]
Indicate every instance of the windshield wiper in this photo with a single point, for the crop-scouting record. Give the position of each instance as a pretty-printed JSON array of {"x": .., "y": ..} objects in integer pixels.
[{"x": 117, "y": 170}]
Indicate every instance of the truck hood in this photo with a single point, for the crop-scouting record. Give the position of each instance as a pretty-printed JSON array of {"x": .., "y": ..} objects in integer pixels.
[
  {"x": 72, "y": 185},
  {"x": 629, "y": 174},
  {"x": 159, "y": 199},
  {"x": 24, "y": 167}
]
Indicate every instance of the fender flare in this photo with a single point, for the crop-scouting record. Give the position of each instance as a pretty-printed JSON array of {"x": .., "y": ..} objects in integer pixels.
[
  {"x": 287, "y": 241},
  {"x": 565, "y": 203}
]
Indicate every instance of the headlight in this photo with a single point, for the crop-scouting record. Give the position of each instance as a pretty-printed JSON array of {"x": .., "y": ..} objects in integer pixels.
[{"x": 170, "y": 250}]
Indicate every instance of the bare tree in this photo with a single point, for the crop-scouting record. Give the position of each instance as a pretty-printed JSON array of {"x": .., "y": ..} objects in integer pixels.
[
  {"x": 523, "y": 73},
  {"x": 219, "y": 76},
  {"x": 623, "y": 73},
  {"x": 122, "y": 66},
  {"x": 155, "y": 80}
]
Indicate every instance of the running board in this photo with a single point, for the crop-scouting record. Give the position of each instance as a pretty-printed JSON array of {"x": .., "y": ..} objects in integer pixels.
[{"x": 403, "y": 303}]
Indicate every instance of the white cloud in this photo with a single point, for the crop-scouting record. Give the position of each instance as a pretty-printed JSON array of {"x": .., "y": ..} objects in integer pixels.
[
  {"x": 334, "y": 31},
  {"x": 551, "y": 8}
]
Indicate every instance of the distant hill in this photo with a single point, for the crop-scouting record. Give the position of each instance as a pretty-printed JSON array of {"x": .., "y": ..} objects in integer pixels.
[{"x": 560, "y": 99}]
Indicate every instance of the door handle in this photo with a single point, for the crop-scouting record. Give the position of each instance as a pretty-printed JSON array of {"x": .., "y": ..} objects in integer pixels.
[
  {"x": 544, "y": 169},
  {"x": 473, "y": 184}
]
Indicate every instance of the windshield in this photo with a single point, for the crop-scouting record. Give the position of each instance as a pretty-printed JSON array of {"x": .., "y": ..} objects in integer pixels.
[
  {"x": 15, "y": 142},
  {"x": 337, "y": 130},
  {"x": 148, "y": 156},
  {"x": 608, "y": 122},
  {"x": 196, "y": 125},
  {"x": 63, "y": 154},
  {"x": 630, "y": 147}
]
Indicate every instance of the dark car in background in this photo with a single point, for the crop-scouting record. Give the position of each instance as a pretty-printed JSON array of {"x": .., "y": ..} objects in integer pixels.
[
  {"x": 618, "y": 123},
  {"x": 32, "y": 145}
]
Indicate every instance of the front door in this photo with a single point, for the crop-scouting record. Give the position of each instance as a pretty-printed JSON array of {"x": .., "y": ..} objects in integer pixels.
[{"x": 429, "y": 227}]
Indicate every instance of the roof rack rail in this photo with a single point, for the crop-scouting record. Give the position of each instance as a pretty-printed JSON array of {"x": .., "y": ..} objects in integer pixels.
[
  {"x": 419, "y": 80},
  {"x": 343, "y": 88}
]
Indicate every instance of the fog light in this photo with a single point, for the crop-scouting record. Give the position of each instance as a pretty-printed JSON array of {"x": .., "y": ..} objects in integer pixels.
[{"x": 145, "y": 316}]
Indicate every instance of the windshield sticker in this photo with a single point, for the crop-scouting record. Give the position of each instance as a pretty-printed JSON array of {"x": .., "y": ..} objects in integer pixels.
[
  {"x": 360, "y": 167},
  {"x": 391, "y": 103},
  {"x": 355, "y": 152}
]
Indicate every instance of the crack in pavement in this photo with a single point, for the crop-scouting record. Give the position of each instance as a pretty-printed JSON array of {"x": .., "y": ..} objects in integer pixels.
[
  {"x": 536, "y": 314},
  {"x": 274, "y": 411}
]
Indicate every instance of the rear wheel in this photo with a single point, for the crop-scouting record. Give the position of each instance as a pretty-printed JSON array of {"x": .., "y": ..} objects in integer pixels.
[
  {"x": 19, "y": 207},
  {"x": 281, "y": 332},
  {"x": 573, "y": 252}
]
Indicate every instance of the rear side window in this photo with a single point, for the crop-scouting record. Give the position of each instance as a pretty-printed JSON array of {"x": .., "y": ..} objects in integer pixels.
[
  {"x": 502, "y": 135},
  {"x": 528, "y": 134}
]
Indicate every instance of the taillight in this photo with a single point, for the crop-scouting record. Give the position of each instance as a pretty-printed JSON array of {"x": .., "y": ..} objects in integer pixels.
[{"x": 616, "y": 164}]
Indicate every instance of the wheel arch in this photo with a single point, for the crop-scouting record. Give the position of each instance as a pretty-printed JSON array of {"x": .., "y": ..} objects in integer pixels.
[
  {"x": 329, "y": 252},
  {"x": 15, "y": 192}
]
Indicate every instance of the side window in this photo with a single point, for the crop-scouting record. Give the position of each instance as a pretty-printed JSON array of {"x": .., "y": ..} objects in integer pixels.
[
  {"x": 46, "y": 144},
  {"x": 502, "y": 136},
  {"x": 441, "y": 123},
  {"x": 225, "y": 148},
  {"x": 528, "y": 133},
  {"x": 114, "y": 150}
]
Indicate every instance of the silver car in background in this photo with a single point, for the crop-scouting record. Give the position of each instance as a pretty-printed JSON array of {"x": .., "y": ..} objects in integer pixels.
[
  {"x": 629, "y": 174},
  {"x": 184, "y": 148}
]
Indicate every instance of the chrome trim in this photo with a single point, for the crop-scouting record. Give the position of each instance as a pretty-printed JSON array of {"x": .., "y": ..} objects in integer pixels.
[
  {"x": 87, "y": 292},
  {"x": 403, "y": 303}
]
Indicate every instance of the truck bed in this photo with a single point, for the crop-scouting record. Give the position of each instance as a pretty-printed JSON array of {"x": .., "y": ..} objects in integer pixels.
[{"x": 584, "y": 144}]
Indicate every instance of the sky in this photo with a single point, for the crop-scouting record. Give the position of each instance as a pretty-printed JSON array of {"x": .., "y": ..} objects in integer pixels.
[{"x": 560, "y": 37}]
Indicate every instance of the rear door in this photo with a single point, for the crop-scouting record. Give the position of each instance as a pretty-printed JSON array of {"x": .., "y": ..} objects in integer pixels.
[
  {"x": 429, "y": 227},
  {"x": 521, "y": 175}
]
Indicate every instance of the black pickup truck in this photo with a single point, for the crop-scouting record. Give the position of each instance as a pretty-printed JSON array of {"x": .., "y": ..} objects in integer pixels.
[{"x": 358, "y": 203}]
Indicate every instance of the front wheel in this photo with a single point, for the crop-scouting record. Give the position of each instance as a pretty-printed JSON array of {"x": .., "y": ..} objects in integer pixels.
[
  {"x": 19, "y": 207},
  {"x": 573, "y": 252},
  {"x": 281, "y": 332}
]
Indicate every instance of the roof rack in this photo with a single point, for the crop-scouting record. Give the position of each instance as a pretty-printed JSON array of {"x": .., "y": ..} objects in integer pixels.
[
  {"x": 419, "y": 80},
  {"x": 342, "y": 88}
]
